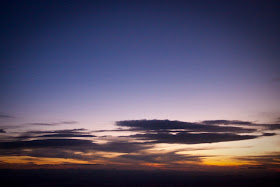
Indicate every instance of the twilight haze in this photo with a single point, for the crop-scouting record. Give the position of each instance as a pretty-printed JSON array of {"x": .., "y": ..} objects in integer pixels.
[{"x": 166, "y": 85}]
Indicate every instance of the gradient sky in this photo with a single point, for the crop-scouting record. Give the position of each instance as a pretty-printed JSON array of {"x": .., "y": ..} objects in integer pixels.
[{"x": 67, "y": 65}]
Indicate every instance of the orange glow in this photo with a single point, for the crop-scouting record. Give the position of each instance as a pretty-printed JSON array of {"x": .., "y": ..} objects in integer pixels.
[
  {"x": 225, "y": 161},
  {"x": 39, "y": 161},
  {"x": 157, "y": 165}
]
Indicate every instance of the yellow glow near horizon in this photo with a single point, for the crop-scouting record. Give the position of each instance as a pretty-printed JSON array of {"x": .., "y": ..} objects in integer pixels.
[{"x": 226, "y": 161}]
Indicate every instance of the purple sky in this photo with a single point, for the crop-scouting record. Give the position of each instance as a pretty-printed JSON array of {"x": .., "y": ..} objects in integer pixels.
[{"x": 89, "y": 64}]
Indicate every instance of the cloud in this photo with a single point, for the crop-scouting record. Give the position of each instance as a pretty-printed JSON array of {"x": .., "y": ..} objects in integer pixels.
[
  {"x": 272, "y": 126},
  {"x": 64, "y": 135},
  {"x": 208, "y": 131},
  {"x": 53, "y": 124},
  {"x": 270, "y": 160},
  {"x": 45, "y": 143},
  {"x": 257, "y": 167},
  {"x": 57, "y": 153},
  {"x": 159, "y": 125},
  {"x": 226, "y": 122},
  {"x": 2, "y": 115},
  {"x": 15, "y": 147},
  {"x": 123, "y": 147},
  {"x": 81, "y": 144},
  {"x": 56, "y": 133},
  {"x": 190, "y": 138},
  {"x": 269, "y": 134},
  {"x": 162, "y": 158}
]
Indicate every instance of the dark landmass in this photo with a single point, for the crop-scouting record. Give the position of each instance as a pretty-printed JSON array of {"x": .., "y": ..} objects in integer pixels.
[{"x": 82, "y": 177}]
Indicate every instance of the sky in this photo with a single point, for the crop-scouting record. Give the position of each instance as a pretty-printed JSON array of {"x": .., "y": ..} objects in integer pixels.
[{"x": 171, "y": 85}]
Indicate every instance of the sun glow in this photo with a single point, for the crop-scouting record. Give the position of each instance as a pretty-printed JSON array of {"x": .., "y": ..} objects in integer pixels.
[{"x": 226, "y": 161}]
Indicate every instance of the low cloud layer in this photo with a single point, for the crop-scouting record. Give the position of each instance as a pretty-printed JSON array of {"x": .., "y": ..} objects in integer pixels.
[{"x": 85, "y": 145}]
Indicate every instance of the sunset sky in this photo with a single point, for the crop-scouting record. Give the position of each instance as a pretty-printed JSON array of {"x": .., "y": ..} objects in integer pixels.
[{"x": 171, "y": 85}]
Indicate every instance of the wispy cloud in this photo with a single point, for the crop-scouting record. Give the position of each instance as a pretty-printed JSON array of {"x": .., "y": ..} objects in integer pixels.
[
  {"x": 53, "y": 124},
  {"x": 267, "y": 161},
  {"x": 5, "y": 116}
]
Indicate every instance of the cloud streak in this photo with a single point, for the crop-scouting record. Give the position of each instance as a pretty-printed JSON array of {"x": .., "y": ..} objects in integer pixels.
[
  {"x": 161, "y": 125},
  {"x": 162, "y": 158},
  {"x": 5, "y": 116},
  {"x": 53, "y": 124},
  {"x": 66, "y": 133},
  {"x": 189, "y": 138},
  {"x": 45, "y": 143}
]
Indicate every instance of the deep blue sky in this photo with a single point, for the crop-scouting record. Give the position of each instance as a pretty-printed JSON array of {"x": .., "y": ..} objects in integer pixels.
[{"x": 101, "y": 61}]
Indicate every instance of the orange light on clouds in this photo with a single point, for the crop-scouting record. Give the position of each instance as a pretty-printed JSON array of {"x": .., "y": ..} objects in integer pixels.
[
  {"x": 157, "y": 165},
  {"x": 39, "y": 161}
]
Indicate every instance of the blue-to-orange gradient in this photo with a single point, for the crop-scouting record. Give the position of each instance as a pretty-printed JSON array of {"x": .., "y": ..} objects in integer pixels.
[{"x": 146, "y": 85}]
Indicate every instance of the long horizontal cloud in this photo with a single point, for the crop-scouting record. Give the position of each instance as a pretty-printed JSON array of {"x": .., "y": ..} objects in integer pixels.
[
  {"x": 227, "y": 122},
  {"x": 162, "y": 158},
  {"x": 205, "y": 126},
  {"x": 57, "y": 153},
  {"x": 53, "y": 124},
  {"x": 274, "y": 126},
  {"x": 66, "y": 133},
  {"x": 75, "y": 144},
  {"x": 159, "y": 125},
  {"x": 189, "y": 138},
  {"x": 270, "y": 160},
  {"x": 57, "y": 135},
  {"x": 45, "y": 143},
  {"x": 58, "y": 131},
  {"x": 210, "y": 131}
]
